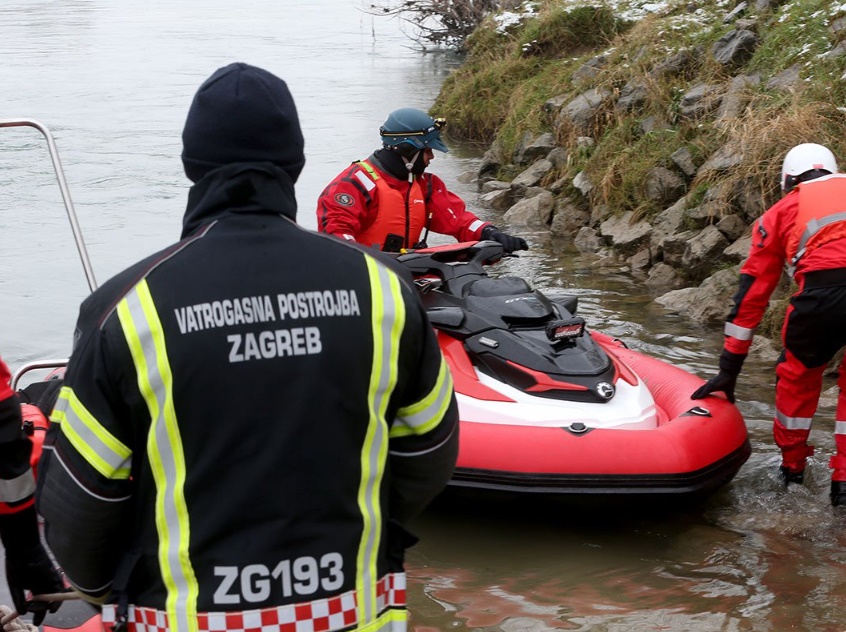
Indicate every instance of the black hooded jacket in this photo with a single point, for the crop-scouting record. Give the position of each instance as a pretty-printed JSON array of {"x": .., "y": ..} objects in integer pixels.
[
  {"x": 256, "y": 341},
  {"x": 248, "y": 418}
]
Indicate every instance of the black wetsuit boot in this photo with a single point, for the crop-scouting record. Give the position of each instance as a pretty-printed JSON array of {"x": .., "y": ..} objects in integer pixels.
[
  {"x": 838, "y": 493},
  {"x": 794, "y": 477}
]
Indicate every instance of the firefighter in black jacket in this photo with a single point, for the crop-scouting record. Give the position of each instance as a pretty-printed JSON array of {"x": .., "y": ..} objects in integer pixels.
[{"x": 250, "y": 416}]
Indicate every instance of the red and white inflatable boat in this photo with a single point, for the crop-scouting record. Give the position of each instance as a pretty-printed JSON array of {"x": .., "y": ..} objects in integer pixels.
[{"x": 547, "y": 406}]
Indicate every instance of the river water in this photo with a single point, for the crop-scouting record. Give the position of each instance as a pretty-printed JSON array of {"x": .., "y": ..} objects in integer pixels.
[{"x": 113, "y": 81}]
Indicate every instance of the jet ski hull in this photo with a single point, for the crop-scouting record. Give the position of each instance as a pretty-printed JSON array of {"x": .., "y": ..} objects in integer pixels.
[{"x": 695, "y": 448}]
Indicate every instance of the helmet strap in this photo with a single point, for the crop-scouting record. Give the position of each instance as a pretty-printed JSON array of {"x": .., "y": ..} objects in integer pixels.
[{"x": 410, "y": 160}]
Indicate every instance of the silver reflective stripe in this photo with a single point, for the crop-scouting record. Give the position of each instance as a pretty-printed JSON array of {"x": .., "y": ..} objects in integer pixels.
[
  {"x": 425, "y": 415},
  {"x": 793, "y": 423},
  {"x": 840, "y": 427},
  {"x": 103, "y": 451},
  {"x": 738, "y": 332},
  {"x": 812, "y": 228},
  {"x": 145, "y": 337},
  {"x": 365, "y": 180},
  {"x": 476, "y": 225},
  {"x": 15, "y": 489}
]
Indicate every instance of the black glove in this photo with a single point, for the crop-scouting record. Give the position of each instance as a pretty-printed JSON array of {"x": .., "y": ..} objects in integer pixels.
[
  {"x": 509, "y": 243},
  {"x": 27, "y": 565},
  {"x": 726, "y": 379}
]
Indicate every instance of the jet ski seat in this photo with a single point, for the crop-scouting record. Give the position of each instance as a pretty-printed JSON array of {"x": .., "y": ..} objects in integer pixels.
[{"x": 502, "y": 286}]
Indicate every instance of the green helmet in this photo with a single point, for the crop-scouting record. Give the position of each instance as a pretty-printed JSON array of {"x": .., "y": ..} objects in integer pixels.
[{"x": 414, "y": 127}]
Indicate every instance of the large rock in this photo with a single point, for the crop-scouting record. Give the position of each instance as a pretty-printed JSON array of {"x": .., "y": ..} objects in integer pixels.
[
  {"x": 674, "y": 245},
  {"x": 739, "y": 250},
  {"x": 703, "y": 215},
  {"x": 590, "y": 69},
  {"x": 490, "y": 164},
  {"x": 495, "y": 185},
  {"x": 534, "y": 174},
  {"x": 568, "y": 218},
  {"x": 632, "y": 97},
  {"x": 787, "y": 79},
  {"x": 580, "y": 113},
  {"x": 675, "y": 65},
  {"x": 735, "y": 13},
  {"x": 663, "y": 276},
  {"x": 666, "y": 224},
  {"x": 700, "y": 100},
  {"x": 732, "y": 227},
  {"x": 664, "y": 186},
  {"x": 624, "y": 234},
  {"x": 714, "y": 299},
  {"x": 683, "y": 159},
  {"x": 588, "y": 240},
  {"x": 534, "y": 211},
  {"x": 558, "y": 157},
  {"x": 537, "y": 148},
  {"x": 704, "y": 251},
  {"x": 708, "y": 304},
  {"x": 499, "y": 199},
  {"x": 639, "y": 262},
  {"x": 736, "y": 98},
  {"x": 722, "y": 160},
  {"x": 749, "y": 200},
  {"x": 582, "y": 183},
  {"x": 735, "y": 48}
]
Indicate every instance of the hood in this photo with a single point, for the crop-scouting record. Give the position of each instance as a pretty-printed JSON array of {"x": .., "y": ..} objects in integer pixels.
[
  {"x": 242, "y": 114},
  {"x": 259, "y": 188}
]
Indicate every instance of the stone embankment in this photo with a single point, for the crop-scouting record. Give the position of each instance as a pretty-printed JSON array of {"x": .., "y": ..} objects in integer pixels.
[{"x": 690, "y": 253}]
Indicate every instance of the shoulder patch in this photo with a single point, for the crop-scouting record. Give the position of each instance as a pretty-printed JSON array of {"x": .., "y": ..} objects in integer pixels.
[{"x": 344, "y": 199}]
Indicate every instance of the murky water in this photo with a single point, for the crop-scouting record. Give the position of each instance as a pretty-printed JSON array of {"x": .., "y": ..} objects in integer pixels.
[{"x": 113, "y": 81}]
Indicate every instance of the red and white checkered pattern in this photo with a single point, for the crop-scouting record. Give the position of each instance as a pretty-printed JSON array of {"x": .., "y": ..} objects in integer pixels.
[{"x": 321, "y": 615}]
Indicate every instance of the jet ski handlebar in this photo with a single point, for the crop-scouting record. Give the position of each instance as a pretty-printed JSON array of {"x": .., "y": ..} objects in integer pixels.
[{"x": 453, "y": 260}]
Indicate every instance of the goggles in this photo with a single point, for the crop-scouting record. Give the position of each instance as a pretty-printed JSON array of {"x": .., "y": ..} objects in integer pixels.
[{"x": 437, "y": 126}]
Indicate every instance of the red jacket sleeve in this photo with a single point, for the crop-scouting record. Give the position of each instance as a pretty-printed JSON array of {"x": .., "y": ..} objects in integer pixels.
[
  {"x": 449, "y": 212},
  {"x": 760, "y": 273},
  {"x": 17, "y": 483},
  {"x": 5, "y": 379},
  {"x": 344, "y": 207}
]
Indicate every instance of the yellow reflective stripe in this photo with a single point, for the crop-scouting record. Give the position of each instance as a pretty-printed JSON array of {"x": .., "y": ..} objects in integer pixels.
[
  {"x": 101, "y": 449},
  {"x": 145, "y": 338},
  {"x": 390, "y": 621},
  {"x": 369, "y": 169},
  {"x": 426, "y": 414},
  {"x": 387, "y": 322}
]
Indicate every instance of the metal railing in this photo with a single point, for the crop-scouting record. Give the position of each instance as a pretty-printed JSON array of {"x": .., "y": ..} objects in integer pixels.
[
  {"x": 34, "y": 366},
  {"x": 54, "y": 364},
  {"x": 63, "y": 186}
]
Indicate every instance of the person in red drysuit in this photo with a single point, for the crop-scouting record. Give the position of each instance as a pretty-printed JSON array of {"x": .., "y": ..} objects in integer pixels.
[
  {"x": 387, "y": 201},
  {"x": 806, "y": 230},
  {"x": 27, "y": 565}
]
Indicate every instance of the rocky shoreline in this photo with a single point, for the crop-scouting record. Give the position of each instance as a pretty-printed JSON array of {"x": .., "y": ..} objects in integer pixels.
[{"x": 689, "y": 254}]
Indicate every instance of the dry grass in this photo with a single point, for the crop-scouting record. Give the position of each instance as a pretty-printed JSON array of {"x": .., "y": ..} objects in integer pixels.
[
  {"x": 766, "y": 132},
  {"x": 501, "y": 90}
]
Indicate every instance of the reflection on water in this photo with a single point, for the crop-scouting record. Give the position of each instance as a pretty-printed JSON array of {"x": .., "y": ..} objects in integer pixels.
[{"x": 752, "y": 557}]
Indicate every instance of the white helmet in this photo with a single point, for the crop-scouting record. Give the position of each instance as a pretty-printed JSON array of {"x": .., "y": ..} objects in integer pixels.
[{"x": 803, "y": 158}]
